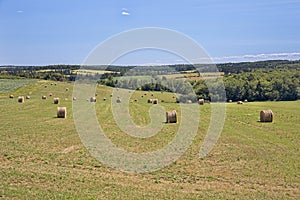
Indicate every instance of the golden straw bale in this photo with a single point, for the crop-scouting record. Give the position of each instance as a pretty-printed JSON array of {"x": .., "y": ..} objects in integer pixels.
[
  {"x": 61, "y": 112},
  {"x": 93, "y": 99},
  {"x": 266, "y": 116},
  {"x": 171, "y": 117},
  {"x": 21, "y": 99},
  {"x": 56, "y": 100},
  {"x": 155, "y": 101},
  {"x": 201, "y": 101}
]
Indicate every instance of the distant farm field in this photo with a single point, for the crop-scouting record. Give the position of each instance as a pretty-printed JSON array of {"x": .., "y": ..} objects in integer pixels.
[
  {"x": 192, "y": 76},
  {"x": 42, "y": 157},
  {"x": 85, "y": 71},
  {"x": 9, "y": 85}
]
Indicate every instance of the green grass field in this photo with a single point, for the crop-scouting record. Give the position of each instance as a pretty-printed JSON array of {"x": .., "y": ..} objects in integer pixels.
[
  {"x": 9, "y": 85},
  {"x": 42, "y": 157}
]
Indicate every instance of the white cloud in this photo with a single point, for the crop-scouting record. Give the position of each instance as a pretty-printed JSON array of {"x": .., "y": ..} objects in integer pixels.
[
  {"x": 258, "y": 57},
  {"x": 125, "y": 13},
  {"x": 20, "y": 11},
  {"x": 244, "y": 58},
  {"x": 223, "y": 59}
]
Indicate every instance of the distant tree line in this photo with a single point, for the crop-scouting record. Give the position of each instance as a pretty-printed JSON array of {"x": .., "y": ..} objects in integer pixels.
[
  {"x": 49, "y": 72},
  {"x": 278, "y": 84},
  {"x": 273, "y": 80},
  {"x": 270, "y": 65}
]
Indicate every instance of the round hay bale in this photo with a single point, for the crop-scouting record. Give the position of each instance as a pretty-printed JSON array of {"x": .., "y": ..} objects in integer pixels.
[
  {"x": 104, "y": 99},
  {"x": 67, "y": 89},
  {"x": 171, "y": 117},
  {"x": 56, "y": 100},
  {"x": 11, "y": 96},
  {"x": 61, "y": 112},
  {"x": 162, "y": 100},
  {"x": 54, "y": 84},
  {"x": 27, "y": 97},
  {"x": 230, "y": 101},
  {"x": 51, "y": 84},
  {"x": 189, "y": 101},
  {"x": 142, "y": 96},
  {"x": 111, "y": 95},
  {"x": 245, "y": 100},
  {"x": 96, "y": 94},
  {"x": 201, "y": 101},
  {"x": 266, "y": 116},
  {"x": 135, "y": 100},
  {"x": 118, "y": 100},
  {"x": 46, "y": 86},
  {"x": 155, "y": 101},
  {"x": 44, "y": 97},
  {"x": 74, "y": 98},
  {"x": 150, "y": 101},
  {"x": 93, "y": 99},
  {"x": 152, "y": 95},
  {"x": 50, "y": 94},
  {"x": 240, "y": 102},
  {"x": 21, "y": 99}
]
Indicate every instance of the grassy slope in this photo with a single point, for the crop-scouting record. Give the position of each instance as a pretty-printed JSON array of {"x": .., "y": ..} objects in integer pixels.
[
  {"x": 9, "y": 85},
  {"x": 42, "y": 156}
]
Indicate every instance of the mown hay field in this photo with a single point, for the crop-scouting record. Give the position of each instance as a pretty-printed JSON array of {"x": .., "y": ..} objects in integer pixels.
[
  {"x": 42, "y": 156},
  {"x": 192, "y": 76},
  {"x": 9, "y": 85}
]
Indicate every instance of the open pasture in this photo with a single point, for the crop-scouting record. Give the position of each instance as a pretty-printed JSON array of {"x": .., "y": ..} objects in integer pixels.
[
  {"x": 41, "y": 156},
  {"x": 192, "y": 76},
  {"x": 9, "y": 85}
]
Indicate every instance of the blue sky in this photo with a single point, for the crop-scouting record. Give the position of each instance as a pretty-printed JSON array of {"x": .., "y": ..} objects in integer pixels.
[{"x": 40, "y": 32}]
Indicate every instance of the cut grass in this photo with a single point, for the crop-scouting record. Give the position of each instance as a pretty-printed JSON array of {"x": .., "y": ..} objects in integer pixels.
[
  {"x": 42, "y": 156},
  {"x": 10, "y": 85}
]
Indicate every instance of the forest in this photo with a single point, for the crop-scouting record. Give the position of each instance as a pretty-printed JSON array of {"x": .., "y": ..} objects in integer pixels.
[{"x": 274, "y": 80}]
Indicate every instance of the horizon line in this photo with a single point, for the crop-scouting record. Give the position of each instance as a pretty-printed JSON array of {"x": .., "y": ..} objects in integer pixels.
[{"x": 293, "y": 56}]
